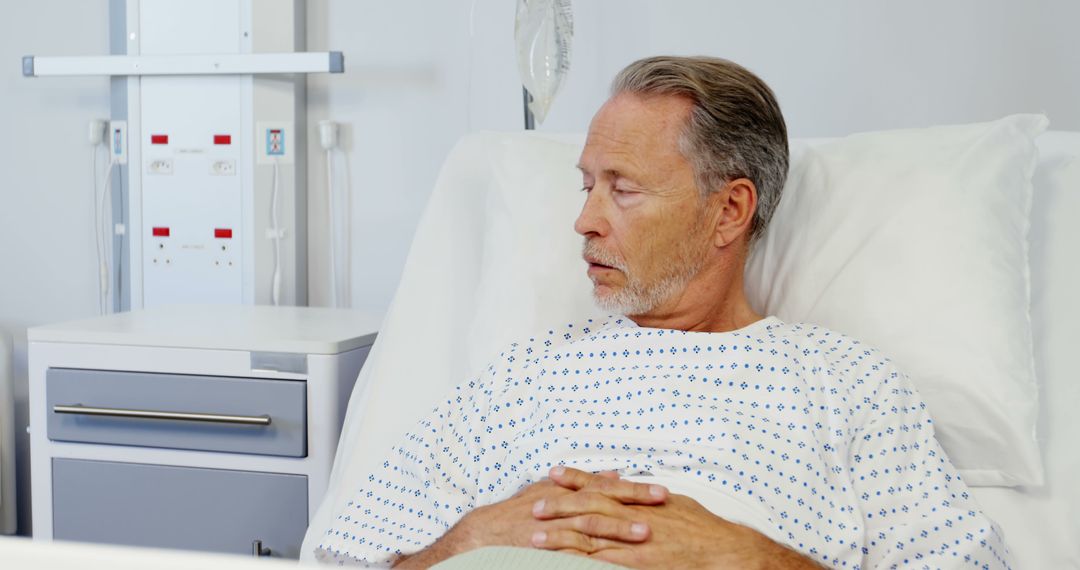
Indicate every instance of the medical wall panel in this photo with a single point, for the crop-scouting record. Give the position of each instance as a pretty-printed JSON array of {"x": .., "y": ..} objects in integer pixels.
[
  {"x": 211, "y": 201},
  {"x": 192, "y": 195}
]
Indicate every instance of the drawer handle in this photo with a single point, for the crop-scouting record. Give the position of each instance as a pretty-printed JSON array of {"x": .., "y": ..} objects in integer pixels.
[
  {"x": 81, "y": 410},
  {"x": 258, "y": 550}
]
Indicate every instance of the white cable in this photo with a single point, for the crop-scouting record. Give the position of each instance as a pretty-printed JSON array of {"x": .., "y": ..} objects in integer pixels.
[
  {"x": 346, "y": 239},
  {"x": 106, "y": 241},
  {"x": 94, "y": 216},
  {"x": 104, "y": 250},
  {"x": 275, "y": 285},
  {"x": 338, "y": 210},
  {"x": 333, "y": 233}
]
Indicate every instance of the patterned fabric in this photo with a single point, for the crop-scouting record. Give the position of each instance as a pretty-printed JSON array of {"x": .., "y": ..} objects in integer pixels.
[{"x": 816, "y": 431}]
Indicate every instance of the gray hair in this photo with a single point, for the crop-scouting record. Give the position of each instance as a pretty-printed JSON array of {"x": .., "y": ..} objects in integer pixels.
[{"x": 735, "y": 130}]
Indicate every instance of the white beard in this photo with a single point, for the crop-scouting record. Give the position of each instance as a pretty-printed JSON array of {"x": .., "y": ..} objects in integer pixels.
[{"x": 638, "y": 297}]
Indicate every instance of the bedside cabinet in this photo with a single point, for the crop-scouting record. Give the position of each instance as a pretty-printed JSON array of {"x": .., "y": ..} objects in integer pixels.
[{"x": 194, "y": 427}]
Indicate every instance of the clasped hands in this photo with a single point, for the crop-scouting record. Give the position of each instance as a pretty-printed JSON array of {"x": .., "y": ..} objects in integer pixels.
[{"x": 602, "y": 516}]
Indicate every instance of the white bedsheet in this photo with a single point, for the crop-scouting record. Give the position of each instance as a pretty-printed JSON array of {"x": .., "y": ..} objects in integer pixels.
[{"x": 1042, "y": 525}]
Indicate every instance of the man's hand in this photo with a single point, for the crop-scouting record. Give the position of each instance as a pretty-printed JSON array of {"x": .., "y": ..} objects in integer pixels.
[
  {"x": 511, "y": 523},
  {"x": 683, "y": 533}
]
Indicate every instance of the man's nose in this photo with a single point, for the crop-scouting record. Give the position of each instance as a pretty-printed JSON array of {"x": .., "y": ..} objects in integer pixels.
[{"x": 592, "y": 220}]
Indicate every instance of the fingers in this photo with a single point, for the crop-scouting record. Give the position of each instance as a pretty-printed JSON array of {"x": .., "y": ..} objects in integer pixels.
[
  {"x": 619, "y": 556},
  {"x": 610, "y": 485},
  {"x": 533, "y": 488},
  {"x": 567, "y": 540},
  {"x": 622, "y": 530},
  {"x": 577, "y": 504},
  {"x": 591, "y": 533},
  {"x": 573, "y": 479}
]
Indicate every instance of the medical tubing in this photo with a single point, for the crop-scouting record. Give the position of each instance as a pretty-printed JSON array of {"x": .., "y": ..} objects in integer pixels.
[
  {"x": 275, "y": 285},
  {"x": 333, "y": 227}
]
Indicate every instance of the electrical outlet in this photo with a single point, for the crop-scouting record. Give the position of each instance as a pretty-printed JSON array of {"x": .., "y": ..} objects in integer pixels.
[
  {"x": 274, "y": 142},
  {"x": 95, "y": 132},
  {"x": 223, "y": 168},
  {"x": 160, "y": 166},
  {"x": 118, "y": 141}
]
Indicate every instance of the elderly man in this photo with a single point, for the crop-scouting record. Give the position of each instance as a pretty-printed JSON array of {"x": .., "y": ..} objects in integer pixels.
[{"x": 692, "y": 432}]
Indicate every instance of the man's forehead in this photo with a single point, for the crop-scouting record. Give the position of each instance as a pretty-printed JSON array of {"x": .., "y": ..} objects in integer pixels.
[{"x": 629, "y": 129}]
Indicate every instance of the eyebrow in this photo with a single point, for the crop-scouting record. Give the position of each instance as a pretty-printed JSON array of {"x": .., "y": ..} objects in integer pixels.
[{"x": 608, "y": 171}]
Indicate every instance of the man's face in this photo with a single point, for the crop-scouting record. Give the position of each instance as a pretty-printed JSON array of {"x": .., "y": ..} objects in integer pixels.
[{"x": 644, "y": 220}]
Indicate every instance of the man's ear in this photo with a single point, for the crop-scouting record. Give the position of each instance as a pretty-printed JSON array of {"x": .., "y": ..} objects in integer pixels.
[{"x": 735, "y": 212}]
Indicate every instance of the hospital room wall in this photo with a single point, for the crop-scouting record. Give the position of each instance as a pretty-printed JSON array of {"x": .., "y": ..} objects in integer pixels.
[
  {"x": 418, "y": 79},
  {"x": 47, "y": 256},
  {"x": 845, "y": 66},
  {"x": 422, "y": 73}
]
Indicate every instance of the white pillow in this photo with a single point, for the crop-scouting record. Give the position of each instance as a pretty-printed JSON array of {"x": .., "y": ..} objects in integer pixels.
[
  {"x": 915, "y": 241},
  {"x": 532, "y": 275}
]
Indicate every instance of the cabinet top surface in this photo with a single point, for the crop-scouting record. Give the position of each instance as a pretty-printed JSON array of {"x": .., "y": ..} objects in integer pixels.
[{"x": 310, "y": 330}]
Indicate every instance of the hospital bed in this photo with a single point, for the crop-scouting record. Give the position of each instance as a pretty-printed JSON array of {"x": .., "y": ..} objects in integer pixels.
[
  {"x": 8, "y": 508},
  {"x": 455, "y": 309}
]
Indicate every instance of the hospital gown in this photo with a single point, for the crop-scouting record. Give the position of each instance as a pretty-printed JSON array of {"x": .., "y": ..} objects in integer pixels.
[{"x": 804, "y": 434}]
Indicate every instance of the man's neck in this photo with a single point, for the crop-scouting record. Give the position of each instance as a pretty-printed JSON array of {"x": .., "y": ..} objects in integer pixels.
[{"x": 713, "y": 301}]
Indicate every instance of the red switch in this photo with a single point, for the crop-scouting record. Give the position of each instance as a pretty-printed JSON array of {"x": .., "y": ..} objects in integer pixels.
[
  {"x": 159, "y": 139},
  {"x": 161, "y": 232},
  {"x": 222, "y": 139},
  {"x": 223, "y": 233}
]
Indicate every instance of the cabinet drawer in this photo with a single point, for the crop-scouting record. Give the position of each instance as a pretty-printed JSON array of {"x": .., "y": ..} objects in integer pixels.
[
  {"x": 178, "y": 411},
  {"x": 178, "y": 507}
]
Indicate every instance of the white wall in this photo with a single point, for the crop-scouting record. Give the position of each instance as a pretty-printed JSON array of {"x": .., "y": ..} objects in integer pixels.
[
  {"x": 403, "y": 103},
  {"x": 47, "y": 267},
  {"x": 841, "y": 66},
  {"x": 420, "y": 73}
]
